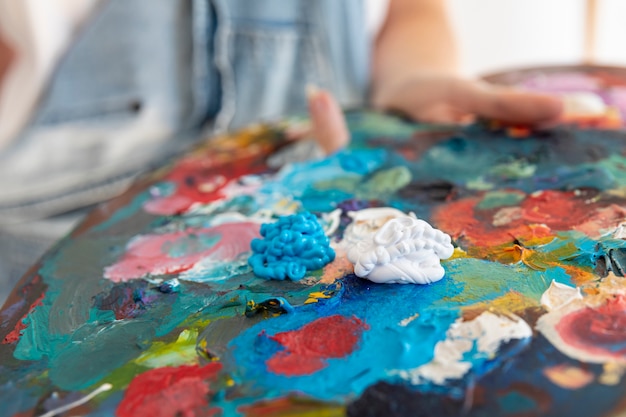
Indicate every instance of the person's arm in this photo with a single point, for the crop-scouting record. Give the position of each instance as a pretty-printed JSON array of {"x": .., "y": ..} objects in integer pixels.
[
  {"x": 417, "y": 34},
  {"x": 415, "y": 71}
]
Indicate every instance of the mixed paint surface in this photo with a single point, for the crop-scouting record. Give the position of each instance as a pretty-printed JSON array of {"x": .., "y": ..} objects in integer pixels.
[{"x": 150, "y": 306}]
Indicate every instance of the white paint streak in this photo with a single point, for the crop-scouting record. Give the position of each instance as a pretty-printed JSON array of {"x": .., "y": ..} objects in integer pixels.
[
  {"x": 86, "y": 398},
  {"x": 405, "y": 322},
  {"x": 486, "y": 333}
]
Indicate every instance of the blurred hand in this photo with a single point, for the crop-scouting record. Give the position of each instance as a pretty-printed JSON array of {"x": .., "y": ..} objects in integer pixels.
[{"x": 449, "y": 99}]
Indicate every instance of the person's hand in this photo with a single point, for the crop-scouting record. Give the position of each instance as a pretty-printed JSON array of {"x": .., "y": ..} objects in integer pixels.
[
  {"x": 327, "y": 123},
  {"x": 449, "y": 99}
]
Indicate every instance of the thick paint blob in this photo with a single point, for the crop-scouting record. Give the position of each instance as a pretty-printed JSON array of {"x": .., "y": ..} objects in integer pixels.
[
  {"x": 290, "y": 247},
  {"x": 405, "y": 250}
]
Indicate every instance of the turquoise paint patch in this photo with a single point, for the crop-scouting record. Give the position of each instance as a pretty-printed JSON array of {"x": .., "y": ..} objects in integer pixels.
[{"x": 515, "y": 402}]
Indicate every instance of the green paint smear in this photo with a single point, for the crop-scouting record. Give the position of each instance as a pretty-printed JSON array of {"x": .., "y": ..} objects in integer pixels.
[
  {"x": 479, "y": 184},
  {"x": 384, "y": 182},
  {"x": 346, "y": 184},
  {"x": 484, "y": 280},
  {"x": 496, "y": 199},
  {"x": 514, "y": 170}
]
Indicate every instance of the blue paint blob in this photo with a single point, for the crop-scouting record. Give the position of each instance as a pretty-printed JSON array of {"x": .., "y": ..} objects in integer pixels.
[{"x": 291, "y": 246}]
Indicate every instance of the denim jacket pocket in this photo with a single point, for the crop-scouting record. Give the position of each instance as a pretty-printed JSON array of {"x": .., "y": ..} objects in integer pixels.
[{"x": 265, "y": 63}]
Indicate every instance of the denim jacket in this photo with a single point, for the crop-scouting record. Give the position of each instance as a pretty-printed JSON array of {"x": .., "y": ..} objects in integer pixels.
[{"x": 145, "y": 77}]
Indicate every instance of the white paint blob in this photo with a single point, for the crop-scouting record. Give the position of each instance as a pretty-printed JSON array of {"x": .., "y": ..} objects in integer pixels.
[
  {"x": 404, "y": 250},
  {"x": 558, "y": 295},
  {"x": 466, "y": 341}
]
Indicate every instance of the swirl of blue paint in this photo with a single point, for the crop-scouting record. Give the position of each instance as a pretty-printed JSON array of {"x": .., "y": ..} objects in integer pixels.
[{"x": 290, "y": 247}]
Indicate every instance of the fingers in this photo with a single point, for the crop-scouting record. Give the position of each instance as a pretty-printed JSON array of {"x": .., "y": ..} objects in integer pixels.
[
  {"x": 507, "y": 104},
  {"x": 328, "y": 124}
]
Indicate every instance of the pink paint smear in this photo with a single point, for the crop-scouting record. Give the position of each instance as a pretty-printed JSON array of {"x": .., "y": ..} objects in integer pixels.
[{"x": 151, "y": 254}]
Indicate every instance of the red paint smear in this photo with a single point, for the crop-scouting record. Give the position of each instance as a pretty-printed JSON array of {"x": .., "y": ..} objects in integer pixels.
[
  {"x": 602, "y": 219},
  {"x": 15, "y": 334},
  {"x": 541, "y": 214},
  {"x": 198, "y": 180},
  {"x": 557, "y": 209},
  {"x": 165, "y": 392},
  {"x": 144, "y": 255},
  {"x": 600, "y": 331},
  {"x": 307, "y": 348}
]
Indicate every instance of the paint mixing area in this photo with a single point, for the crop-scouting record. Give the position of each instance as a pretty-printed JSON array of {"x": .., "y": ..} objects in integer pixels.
[{"x": 424, "y": 270}]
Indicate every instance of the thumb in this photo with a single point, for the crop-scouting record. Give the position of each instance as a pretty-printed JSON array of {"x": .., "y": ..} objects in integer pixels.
[{"x": 328, "y": 124}]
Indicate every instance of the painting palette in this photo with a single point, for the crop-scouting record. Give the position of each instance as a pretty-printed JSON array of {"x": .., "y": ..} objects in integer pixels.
[{"x": 150, "y": 308}]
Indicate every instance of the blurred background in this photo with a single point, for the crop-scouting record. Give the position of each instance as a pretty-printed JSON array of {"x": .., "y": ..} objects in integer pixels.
[
  {"x": 518, "y": 34},
  {"x": 537, "y": 32}
]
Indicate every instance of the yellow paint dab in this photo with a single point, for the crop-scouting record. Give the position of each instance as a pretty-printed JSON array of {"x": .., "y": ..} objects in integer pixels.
[
  {"x": 458, "y": 254},
  {"x": 180, "y": 352},
  {"x": 569, "y": 377},
  {"x": 612, "y": 374},
  {"x": 314, "y": 297}
]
